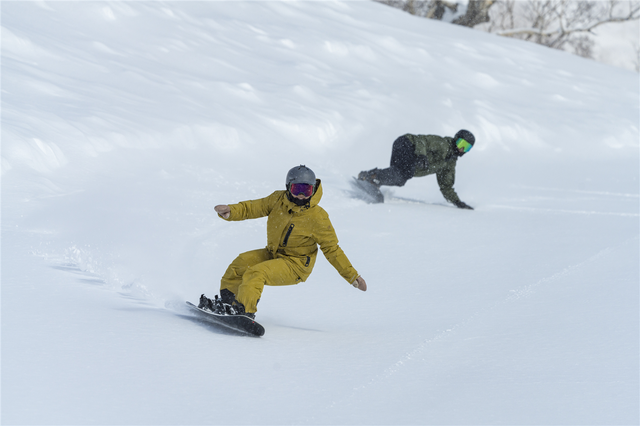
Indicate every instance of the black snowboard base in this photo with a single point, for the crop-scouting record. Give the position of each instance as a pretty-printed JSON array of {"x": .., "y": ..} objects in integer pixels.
[
  {"x": 366, "y": 191},
  {"x": 238, "y": 323}
]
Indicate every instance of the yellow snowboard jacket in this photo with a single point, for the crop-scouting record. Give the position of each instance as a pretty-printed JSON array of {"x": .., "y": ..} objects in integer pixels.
[{"x": 295, "y": 232}]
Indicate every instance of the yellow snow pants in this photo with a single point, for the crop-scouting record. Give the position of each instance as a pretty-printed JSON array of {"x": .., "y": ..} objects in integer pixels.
[{"x": 250, "y": 271}]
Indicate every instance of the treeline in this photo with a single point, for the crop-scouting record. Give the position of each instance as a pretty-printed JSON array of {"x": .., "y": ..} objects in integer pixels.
[{"x": 561, "y": 24}]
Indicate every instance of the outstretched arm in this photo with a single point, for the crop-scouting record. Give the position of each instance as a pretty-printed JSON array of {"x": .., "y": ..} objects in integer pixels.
[{"x": 249, "y": 209}]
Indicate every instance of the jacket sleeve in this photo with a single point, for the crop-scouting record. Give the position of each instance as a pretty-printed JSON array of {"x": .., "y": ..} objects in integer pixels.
[
  {"x": 326, "y": 237},
  {"x": 446, "y": 178},
  {"x": 252, "y": 209}
]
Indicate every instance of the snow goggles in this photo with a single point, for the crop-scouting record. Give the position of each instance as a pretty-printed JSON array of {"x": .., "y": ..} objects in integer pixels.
[
  {"x": 462, "y": 143},
  {"x": 304, "y": 189}
]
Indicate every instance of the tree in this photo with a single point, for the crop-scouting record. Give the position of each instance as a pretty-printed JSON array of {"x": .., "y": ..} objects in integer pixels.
[
  {"x": 559, "y": 24},
  {"x": 476, "y": 12}
]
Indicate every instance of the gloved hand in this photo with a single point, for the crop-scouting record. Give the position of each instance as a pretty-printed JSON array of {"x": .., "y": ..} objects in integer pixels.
[
  {"x": 360, "y": 284},
  {"x": 462, "y": 205},
  {"x": 223, "y": 210}
]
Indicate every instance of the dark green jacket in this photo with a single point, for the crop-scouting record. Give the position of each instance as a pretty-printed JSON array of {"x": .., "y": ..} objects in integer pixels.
[{"x": 437, "y": 155}]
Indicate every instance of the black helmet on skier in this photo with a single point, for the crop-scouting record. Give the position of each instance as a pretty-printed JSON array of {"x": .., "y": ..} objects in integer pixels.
[
  {"x": 301, "y": 180},
  {"x": 464, "y": 140}
]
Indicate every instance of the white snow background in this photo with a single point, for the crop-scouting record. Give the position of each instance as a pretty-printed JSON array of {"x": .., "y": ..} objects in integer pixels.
[{"x": 125, "y": 123}]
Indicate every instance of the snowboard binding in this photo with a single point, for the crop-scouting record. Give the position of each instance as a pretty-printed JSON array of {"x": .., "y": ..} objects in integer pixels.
[{"x": 226, "y": 305}]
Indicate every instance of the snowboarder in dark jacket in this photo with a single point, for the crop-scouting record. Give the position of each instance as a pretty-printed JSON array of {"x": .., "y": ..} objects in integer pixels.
[{"x": 420, "y": 155}]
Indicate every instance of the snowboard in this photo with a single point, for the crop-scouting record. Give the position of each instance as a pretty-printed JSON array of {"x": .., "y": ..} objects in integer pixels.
[
  {"x": 366, "y": 191},
  {"x": 238, "y": 323}
]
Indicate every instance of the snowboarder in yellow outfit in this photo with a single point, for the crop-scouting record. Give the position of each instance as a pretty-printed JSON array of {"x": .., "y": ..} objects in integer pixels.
[{"x": 296, "y": 226}]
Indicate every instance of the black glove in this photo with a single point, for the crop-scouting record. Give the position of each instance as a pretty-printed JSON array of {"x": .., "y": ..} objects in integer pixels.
[{"x": 462, "y": 205}]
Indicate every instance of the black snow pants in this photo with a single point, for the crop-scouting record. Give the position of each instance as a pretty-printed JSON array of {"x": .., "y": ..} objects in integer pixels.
[{"x": 403, "y": 164}]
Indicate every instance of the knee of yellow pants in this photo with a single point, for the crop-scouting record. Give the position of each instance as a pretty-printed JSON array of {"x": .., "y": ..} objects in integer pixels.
[
  {"x": 275, "y": 272},
  {"x": 232, "y": 278}
]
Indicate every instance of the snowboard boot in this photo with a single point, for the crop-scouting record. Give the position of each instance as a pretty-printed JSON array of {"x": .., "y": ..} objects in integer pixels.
[
  {"x": 392, "y": 176},
  {"x": 225, "y": 302},
  {"x": 238, "y": 309},
  {"x": 227, "y": 296},
  {"x": 370, "y": 176}
]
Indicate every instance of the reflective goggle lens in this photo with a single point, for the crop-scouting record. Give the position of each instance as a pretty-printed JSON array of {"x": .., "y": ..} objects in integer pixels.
[
  {"x": 304, "y": 189},
  {"x": 462, "y": 143}
]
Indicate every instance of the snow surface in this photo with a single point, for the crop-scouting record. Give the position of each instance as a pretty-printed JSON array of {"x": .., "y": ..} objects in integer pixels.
[{"x": 125, "y": 123}]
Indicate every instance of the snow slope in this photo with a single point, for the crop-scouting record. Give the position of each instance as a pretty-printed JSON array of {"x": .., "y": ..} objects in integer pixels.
[{"x": 124, "y": 123}]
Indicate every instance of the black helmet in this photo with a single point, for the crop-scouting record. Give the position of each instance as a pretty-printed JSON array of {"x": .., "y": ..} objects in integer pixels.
[
  {"x": 300, "y": 175},
  {"x": 466, "y": 135}
]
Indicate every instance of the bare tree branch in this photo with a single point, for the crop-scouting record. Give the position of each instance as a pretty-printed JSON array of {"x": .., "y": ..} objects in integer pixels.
[
  {"x": 559, "y": 24},
  {"x": 541, "y": 29}
]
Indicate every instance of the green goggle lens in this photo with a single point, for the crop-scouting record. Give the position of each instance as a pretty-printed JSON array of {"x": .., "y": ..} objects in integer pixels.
[{"x": 462, "y": 143}]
